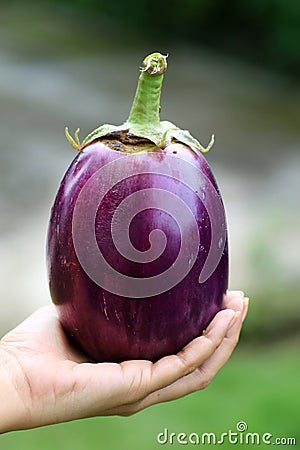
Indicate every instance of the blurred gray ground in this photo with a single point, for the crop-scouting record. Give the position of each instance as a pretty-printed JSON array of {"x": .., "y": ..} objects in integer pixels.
[{"x": 256, "y": 158}]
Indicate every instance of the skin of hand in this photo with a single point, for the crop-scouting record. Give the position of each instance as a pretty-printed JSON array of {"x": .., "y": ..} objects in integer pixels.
[{"x": 45, "y": 380}]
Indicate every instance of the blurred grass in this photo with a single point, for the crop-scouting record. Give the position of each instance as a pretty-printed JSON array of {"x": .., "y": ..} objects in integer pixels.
[{"x": 259, "y": 387}]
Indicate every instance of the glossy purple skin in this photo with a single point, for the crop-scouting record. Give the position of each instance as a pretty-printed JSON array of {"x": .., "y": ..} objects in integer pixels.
[{"x": 109, "y": 327}]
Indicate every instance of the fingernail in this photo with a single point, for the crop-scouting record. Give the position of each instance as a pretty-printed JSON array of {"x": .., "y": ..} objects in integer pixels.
[
  {"x": 236, "y": 293},
  {"x": 234, "y": 319},
  {"x": 245, "y": 308}
]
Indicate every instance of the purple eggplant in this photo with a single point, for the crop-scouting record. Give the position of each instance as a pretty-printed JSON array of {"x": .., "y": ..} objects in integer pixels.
[{"x": 137, "y": 247}]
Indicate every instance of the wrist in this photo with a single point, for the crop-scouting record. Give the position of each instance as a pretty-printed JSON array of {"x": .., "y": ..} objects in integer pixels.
[{"x": 13, "y": 410}]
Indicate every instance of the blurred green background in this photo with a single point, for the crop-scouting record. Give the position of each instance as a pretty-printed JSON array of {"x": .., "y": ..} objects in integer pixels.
[{"x": 233, "y": 70}]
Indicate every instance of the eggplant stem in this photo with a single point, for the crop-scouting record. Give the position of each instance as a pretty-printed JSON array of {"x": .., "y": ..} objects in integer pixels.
[
  {"x": 146, "y": 104},
  {"x": 144, "y": 117}
]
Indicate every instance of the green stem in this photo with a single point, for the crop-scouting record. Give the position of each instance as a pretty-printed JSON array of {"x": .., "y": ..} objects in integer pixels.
[{"x": 146, "y": 104}]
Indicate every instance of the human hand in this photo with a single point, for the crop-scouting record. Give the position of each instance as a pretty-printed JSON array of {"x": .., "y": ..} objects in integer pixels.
[{"x": 45, "y": 380}]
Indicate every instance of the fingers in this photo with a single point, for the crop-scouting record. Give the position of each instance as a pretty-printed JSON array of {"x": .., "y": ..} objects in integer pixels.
[
  {"x": 233, "y": 294},
  {"x": 213, "y": 364},
  {"x": 205, "y": 372},
  {"x": 205, "y": 347},
  {"x": 169, "y": 369},
  {"x": 131, "y": 381}
]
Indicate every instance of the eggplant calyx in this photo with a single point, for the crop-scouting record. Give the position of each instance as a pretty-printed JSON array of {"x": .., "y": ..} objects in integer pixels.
[
  {"x": 166, "y": 135},
  {"x": 74, "y": 142}
]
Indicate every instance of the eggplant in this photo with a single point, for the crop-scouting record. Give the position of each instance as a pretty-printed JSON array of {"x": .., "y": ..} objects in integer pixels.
[{"x": 137, "y": 245}]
